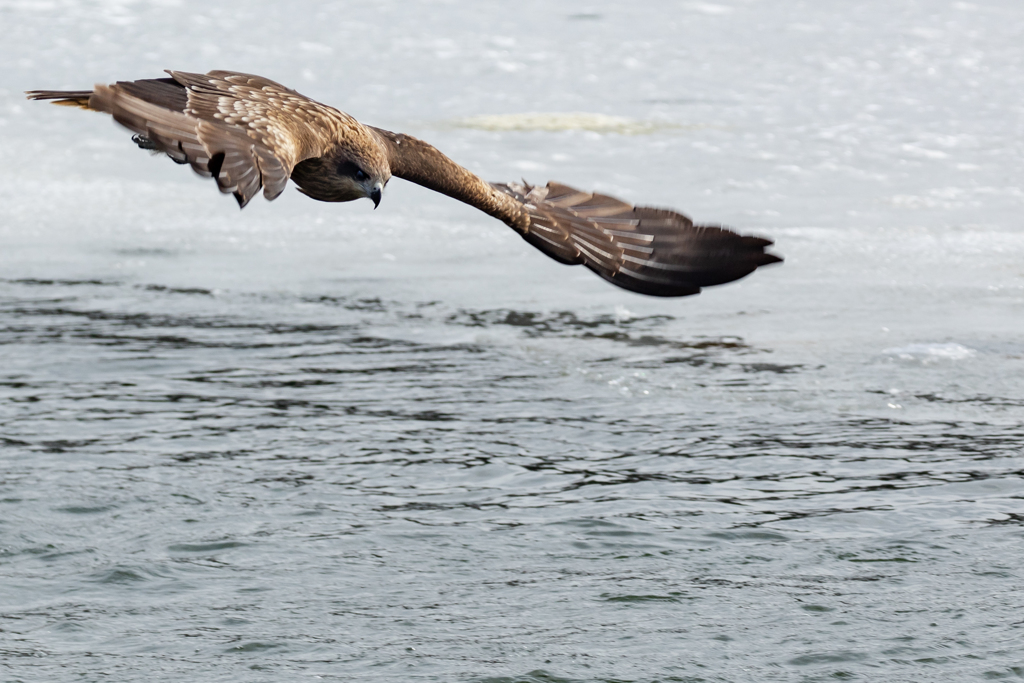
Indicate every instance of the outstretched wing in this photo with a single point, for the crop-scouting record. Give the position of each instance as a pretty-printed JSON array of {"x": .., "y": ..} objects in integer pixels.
[
  {"x": 642, "y": 249},
  {"x": 650, "y": 251},
  {"x": 245, "y": 131}
]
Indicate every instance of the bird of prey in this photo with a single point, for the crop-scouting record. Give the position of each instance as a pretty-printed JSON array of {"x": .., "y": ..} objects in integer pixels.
[{"x": 248, "y": 132}]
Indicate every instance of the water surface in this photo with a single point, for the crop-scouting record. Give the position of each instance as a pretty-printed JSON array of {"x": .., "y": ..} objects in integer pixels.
[{"x": 311, "y": 441}]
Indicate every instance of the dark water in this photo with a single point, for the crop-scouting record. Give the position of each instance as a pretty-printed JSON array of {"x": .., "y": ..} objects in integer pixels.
[
  {"x": 320, "y": 442},
  {"x": 263, "y": 486}
]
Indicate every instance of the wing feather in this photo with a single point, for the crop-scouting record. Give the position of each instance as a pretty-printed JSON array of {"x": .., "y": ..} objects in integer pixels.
[
  {"x": 245, "y": 131},
  {"x": 651, "y": 251},
  {"x": 642, "y": 249}
]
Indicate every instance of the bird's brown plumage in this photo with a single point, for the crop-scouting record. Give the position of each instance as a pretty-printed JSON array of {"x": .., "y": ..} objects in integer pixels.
[{"x": 249, "y": 133}]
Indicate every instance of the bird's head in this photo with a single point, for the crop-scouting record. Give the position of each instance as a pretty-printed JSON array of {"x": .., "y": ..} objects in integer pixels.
[
  {"x": 356, "y": 167},
  {"x": 362, "y": 178}
]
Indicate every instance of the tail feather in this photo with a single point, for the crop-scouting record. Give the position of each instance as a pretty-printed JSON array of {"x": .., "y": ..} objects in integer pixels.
[
  {"x": 651, "y": 251},
  {"x": 154, "y": 109},
  {"x": 65, "y": 98}
]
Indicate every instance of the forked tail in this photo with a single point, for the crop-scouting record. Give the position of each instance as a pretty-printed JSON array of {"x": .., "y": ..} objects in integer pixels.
[{"x": 65, "y": 98}]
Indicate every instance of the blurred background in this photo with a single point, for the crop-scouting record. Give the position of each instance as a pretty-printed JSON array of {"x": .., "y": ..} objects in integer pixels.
[{"x": 319, "y": 441}]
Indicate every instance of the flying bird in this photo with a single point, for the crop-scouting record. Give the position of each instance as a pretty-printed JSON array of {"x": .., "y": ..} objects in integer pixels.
[{"x": 248, "y": 133}]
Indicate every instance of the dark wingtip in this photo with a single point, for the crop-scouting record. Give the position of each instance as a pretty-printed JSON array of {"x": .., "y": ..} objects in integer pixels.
[{"x": 655, "y": 252}]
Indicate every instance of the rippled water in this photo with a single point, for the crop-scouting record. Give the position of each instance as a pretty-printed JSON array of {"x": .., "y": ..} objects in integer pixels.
[{"x": 310, "y": 441}]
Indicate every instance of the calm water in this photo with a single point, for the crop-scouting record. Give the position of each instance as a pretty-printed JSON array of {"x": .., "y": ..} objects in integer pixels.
[{"x": 310, "y": 441}]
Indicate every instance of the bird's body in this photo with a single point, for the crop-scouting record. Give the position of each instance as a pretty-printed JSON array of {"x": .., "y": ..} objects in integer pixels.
[{"x": 249, "y": 133}]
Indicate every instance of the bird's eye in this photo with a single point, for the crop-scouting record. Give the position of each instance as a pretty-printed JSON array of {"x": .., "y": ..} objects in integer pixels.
[{"x": 361, "y": 174}]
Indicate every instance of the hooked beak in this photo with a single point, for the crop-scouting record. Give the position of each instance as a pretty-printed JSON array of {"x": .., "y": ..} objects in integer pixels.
[{"x": 375, "y": 195}]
